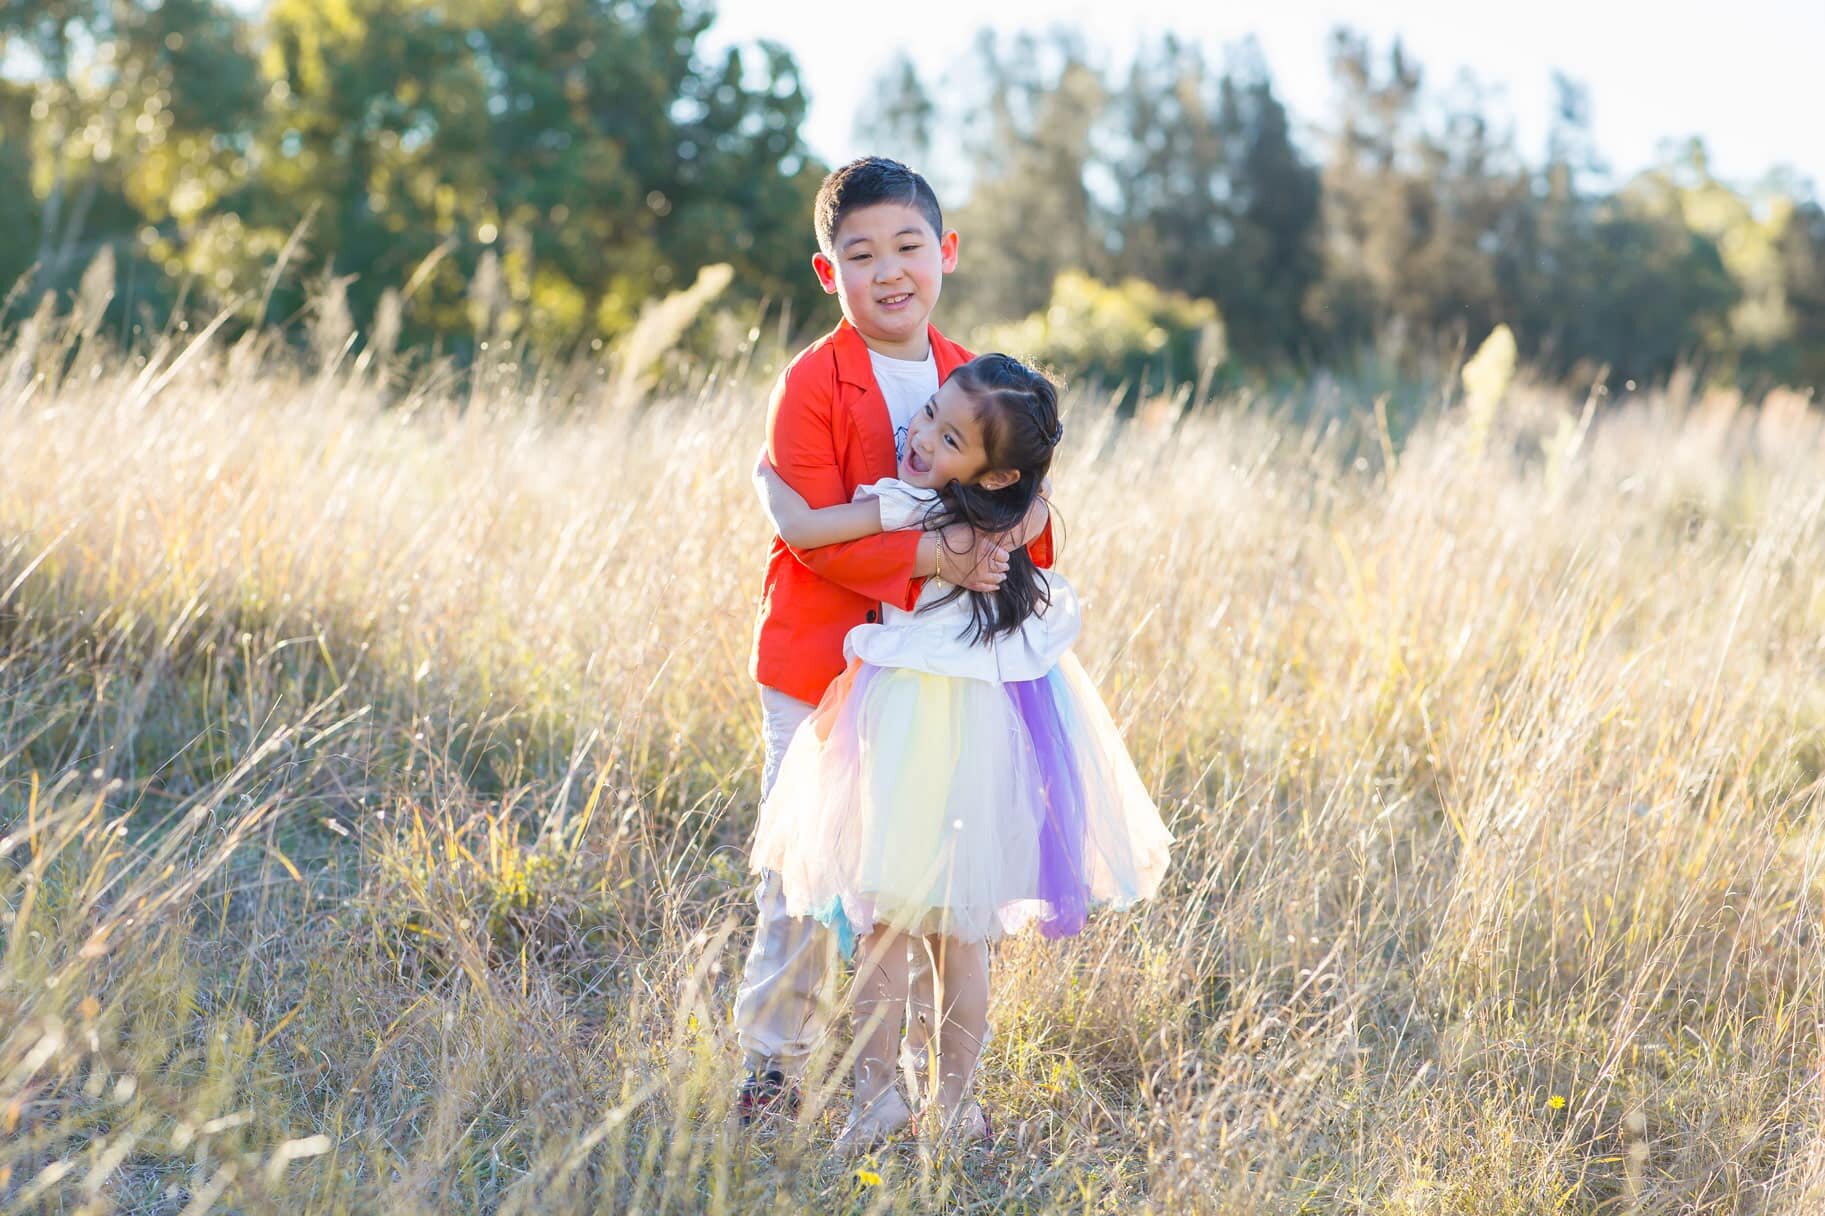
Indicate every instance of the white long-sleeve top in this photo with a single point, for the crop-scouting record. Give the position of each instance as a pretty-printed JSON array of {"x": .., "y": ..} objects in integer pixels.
[{"x": 937, "y": 637}]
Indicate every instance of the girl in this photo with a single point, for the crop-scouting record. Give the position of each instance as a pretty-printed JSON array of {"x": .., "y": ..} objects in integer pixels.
[{"x": 961, "y": 779}]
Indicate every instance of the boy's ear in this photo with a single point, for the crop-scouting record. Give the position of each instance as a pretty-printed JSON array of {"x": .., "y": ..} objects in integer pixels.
[
  {"x": 825, "y": 270},
  {"x": 947, "y": 251},
  {"x": 998, "y": 479}
]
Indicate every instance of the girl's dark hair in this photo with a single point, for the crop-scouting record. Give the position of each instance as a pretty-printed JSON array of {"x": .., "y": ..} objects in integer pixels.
[{"x": 1017, "y": 409}]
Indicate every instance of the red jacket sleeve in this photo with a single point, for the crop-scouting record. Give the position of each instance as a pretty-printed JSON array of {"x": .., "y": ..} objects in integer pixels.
[
  {"x": 1040, "y": 547},
  {"x": 801, "y": 443}
]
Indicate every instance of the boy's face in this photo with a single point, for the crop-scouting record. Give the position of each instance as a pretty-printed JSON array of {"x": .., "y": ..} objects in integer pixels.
[{"x": 886, "y": 269}]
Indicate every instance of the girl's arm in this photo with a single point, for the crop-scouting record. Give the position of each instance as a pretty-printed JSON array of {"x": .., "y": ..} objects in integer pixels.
[{"x": 805, "y": 527}]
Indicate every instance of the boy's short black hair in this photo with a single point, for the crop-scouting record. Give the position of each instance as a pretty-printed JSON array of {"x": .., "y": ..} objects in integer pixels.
[{"x": 864, "y": 183}]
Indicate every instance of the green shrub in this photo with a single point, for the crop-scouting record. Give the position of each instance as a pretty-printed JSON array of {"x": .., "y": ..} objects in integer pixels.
[{"x": 1129, "y": 331}]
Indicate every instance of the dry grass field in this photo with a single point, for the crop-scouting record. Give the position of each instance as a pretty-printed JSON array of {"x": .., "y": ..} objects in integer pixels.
[{"x": 377, "y": 762}]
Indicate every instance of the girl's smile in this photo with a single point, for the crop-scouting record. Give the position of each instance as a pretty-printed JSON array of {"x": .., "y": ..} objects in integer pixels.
[{"x": 944, "y": 441}]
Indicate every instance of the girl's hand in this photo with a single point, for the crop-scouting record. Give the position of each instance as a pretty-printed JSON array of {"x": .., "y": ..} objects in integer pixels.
[{"x": 975, "y": 561}]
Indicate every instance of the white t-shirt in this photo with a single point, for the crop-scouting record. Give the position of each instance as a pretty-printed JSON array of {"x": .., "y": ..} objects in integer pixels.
[{"x": 907, "y": 384}]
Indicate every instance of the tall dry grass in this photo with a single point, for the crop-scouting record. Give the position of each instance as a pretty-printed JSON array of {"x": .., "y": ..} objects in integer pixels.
[{"x": 376, "y": 765}]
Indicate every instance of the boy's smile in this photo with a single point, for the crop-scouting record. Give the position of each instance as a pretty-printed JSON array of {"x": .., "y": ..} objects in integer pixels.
[{"x": 886, "y": 268}]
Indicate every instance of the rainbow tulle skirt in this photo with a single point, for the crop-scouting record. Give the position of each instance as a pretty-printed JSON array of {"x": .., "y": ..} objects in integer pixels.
[{"x": 944, "y": 804}]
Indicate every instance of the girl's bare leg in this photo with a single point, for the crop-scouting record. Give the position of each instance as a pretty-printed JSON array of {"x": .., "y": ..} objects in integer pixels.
[
  {"x": 921, "y": 1019},
  {"x": 880, "y": 1004},
  {"x": 963, "y": 1003}
]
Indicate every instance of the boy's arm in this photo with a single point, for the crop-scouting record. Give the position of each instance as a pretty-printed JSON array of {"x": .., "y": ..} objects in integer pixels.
[{"x": 803, "y": 526}]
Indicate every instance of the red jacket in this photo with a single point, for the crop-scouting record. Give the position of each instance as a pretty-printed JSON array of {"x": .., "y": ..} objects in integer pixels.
[{"x": 827, "y": 433}]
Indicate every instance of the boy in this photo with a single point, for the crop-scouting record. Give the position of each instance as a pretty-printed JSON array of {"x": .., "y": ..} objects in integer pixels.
[{"x": 836, "y": 419}]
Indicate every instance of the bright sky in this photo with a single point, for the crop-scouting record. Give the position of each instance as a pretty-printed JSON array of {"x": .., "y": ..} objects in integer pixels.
[{"x": 1744, "y": 74}]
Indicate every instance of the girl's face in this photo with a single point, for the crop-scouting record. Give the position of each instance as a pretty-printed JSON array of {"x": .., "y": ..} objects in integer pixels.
[{"x": 944, "y": 444}]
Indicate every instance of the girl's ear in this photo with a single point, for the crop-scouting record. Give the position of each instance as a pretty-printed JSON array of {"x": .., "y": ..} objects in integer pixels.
[{"x": 998, "y": 479}]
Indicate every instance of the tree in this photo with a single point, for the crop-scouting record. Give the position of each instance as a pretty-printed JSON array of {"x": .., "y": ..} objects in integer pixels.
[
  {"x": 47, "y": 32},
  {"x": 1424, "y": 223},
  {"x": 141, "y": 112},
  {"x": 184, "y": 99},
  {"x": 1481, "y": 200},
  {"x": 1802, "y": 253},
  {"x": 1213, "y": 200},
  {"x": 1651, "y": 293},
  {"x": 746, "y": 198},
  {"x": 1746, "y": 234},
  {"x": 1442, "y": 230},
  {"x": 899, "y": 120},
  {"x": 1374, "y": 207},
  {"x": 1030, "y": 214},
  {"x": 18, "y": 208},
  {"x": 586, "y": 146},
  {"x": 1543, "y": 268}
]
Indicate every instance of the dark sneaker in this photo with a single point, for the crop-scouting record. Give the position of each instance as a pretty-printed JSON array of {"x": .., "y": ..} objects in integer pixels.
[{"x": 766, "y": 1095}]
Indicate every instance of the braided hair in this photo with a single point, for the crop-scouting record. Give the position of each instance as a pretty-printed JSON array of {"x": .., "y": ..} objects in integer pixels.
[{"x": 1017, "y": 409}]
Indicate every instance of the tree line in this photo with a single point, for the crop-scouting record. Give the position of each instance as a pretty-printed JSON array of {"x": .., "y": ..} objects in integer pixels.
[
  {"x": 1406, "y": 218},
  {"x": 580, "y": 156},
  {"x": 543, "y": 172}
]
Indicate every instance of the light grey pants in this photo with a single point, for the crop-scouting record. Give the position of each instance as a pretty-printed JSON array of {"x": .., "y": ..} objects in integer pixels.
[{"x": 783, "y": 1007}]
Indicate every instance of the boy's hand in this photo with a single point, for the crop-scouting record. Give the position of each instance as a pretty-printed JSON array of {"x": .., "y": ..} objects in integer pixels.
[{"x": 973, "y": 561}]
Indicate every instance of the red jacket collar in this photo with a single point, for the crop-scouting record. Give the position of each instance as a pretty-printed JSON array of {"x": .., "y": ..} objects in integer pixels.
[{"x": 853, "y": 366}]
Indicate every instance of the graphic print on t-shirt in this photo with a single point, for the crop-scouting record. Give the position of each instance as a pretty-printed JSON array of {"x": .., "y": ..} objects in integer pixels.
[{"x": 906, "y": 385}]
